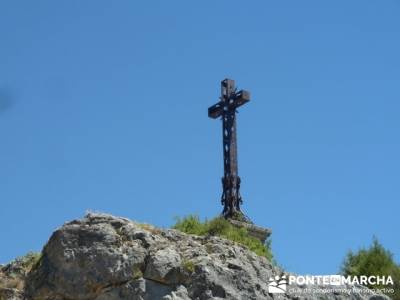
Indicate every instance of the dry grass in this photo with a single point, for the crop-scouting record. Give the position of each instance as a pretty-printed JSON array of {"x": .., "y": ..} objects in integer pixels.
[{"x": 150, "y": 228}]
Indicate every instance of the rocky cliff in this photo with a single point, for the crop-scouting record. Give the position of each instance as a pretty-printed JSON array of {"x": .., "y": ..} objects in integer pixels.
[{"x": 104, "y": 257}]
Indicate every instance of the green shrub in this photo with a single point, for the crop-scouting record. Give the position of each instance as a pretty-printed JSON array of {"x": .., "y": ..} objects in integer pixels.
[
  {"x": 220, "y": 227},
  {"x": 190, "y": 224},
  {"x": 374, "y": 261}
]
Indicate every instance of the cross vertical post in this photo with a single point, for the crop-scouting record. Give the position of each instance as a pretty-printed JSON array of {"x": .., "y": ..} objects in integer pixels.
[{"x": 230, "y": 100}]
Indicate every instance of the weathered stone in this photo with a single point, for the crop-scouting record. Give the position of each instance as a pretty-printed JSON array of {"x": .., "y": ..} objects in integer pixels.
[
  {"x": 140, "y": 289},
  {"x": 164, "y": 266},
  {"x": 84, "y": 257},
  {"x": 102, "y": 257},
  {"x": 180, "y": 294}
]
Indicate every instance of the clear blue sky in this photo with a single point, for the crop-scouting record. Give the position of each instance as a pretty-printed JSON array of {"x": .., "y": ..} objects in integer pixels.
[{"x": 103, "y": 106}]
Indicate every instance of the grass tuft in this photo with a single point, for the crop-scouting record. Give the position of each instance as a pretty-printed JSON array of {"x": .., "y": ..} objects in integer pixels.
[
  {"x": 220, "y": 227},
  {"x": 188, "y": 266}
]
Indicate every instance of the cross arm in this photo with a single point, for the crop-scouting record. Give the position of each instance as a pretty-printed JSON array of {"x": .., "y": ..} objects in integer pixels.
[
  {"x": 237, "y": 100},
  {"x": 241, "y": 97},
  {"x": 215, "y": 111}
]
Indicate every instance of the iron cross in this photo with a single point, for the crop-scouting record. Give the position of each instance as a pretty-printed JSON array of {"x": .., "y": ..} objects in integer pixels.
[{"x": 231, "y": 99}]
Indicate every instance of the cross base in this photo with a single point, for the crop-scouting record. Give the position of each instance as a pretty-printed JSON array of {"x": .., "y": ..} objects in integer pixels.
[{"x": 255, "y": 231}]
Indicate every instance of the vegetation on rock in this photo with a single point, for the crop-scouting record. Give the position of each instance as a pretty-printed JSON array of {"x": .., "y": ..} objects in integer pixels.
[
  {"x": 13, "y": 275},
  {"x": 220, "y": 227},
  {"x": 188, "y": 265},
  {"x": 105, "y": 257}
]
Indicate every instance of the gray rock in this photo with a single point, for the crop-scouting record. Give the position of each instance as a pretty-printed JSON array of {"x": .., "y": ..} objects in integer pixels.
[
  {"x": 180, "y": 294},
  {"x": 140, "y": 289},
  {"x": 102, "y": 257},
  {"x": 164, "y": 265}
]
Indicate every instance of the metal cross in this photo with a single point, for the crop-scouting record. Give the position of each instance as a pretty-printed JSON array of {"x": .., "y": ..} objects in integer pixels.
[{"x": 231, "y": 99}]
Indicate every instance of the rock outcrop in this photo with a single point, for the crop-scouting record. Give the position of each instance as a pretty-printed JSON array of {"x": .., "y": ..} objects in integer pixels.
[{"x": 102, "y": 257}]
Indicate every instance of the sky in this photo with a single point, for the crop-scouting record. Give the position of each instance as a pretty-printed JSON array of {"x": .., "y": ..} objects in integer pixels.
[{"x": 103, "y": 107}]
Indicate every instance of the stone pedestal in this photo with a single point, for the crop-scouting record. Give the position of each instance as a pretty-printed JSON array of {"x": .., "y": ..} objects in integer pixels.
[{"x": 255, "y": 231}]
